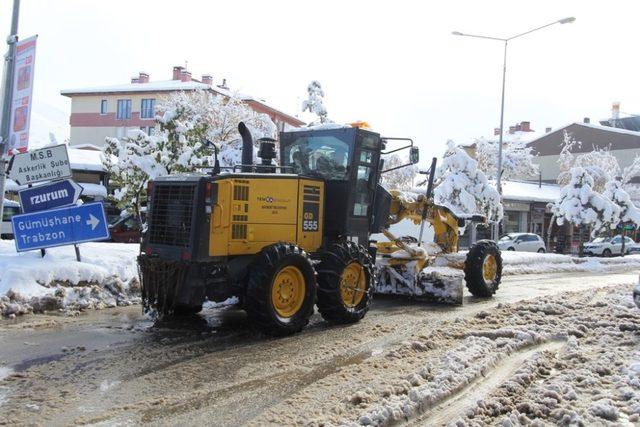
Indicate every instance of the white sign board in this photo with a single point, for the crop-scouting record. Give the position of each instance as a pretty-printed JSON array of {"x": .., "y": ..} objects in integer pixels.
[
  {"x": 45, "y": 164},
  {"x": 21, "y": 99}
]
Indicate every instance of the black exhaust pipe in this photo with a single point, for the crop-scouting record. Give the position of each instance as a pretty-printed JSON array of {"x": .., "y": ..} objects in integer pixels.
[{"x": 247, "y": 147}]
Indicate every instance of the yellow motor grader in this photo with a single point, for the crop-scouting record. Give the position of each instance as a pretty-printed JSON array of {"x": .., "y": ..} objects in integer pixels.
[{"x": 285, "y": 238}]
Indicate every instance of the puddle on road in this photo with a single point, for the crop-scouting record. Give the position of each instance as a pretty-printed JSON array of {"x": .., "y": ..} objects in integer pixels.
[{"x": 26, "y": 364}]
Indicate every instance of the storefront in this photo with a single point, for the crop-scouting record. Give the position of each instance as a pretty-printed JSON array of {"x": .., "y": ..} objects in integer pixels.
[{"x": 516, "y": 217}]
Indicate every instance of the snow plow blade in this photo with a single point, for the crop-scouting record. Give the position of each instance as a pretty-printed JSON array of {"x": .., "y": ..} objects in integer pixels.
[{"x": 433, "y": 284}]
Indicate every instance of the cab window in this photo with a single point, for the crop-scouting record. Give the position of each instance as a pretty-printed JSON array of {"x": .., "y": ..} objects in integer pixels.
[
  {"x": 327, "y": 156},
  {"x": 361, "y": 202}
]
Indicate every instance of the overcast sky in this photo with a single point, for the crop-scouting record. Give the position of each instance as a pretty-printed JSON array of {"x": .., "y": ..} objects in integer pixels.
[{"x": 394, "y": 64}]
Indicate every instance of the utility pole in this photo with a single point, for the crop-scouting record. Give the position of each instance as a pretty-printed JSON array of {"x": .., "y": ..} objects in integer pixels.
[
  {"x": 7, "y": 95},
  {"x": 496, "y": 225}
]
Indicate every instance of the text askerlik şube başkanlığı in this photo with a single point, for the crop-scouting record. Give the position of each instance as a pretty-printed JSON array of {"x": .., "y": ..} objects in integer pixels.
[{"x": 34, "y": 173}]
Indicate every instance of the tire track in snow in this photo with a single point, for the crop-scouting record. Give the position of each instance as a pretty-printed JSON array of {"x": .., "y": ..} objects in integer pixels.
[{"x": 453, "y": 406}]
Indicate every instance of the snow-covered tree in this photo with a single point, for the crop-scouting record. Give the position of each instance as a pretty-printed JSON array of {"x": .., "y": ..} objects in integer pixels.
[
  {"x": 463, "y": 187},
  {"x": 131, "y": 162},
  {"x": 632, "y": 171},
  {"x": 629, "y": 174},
  {"x": 188, "y": 124},
  {"x": 629, "y": 213},
  {"x": 566, "y": 157},
  {"x": 579, "y": 204},
  {"x": 315, "y": 101},
  {"x": 401, "y": 178},
  {"x": 599, "y": 163},
  {"x": 517, "y": 159},
  {"x": 615, "y": 192},
  {"x": 191, "y": 118}
]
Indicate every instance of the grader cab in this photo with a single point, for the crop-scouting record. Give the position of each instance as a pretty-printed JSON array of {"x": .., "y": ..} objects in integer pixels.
[{"x": 286, "y": 238}]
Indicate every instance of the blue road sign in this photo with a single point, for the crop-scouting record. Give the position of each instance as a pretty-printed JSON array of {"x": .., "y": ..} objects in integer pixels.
[
  {"x": 59, "y": 227},
  {"x": 49, "y": 196}
]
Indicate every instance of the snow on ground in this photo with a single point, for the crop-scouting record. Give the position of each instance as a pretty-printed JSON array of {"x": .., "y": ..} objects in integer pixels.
[
  {"x": 532, "y": 263},
  {"x": 106, "y": 277},
  {"x": 568, "y": 359}
]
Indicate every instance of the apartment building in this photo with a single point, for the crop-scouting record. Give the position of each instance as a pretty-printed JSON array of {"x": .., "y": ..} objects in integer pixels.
[{"x": 112, "y": 111}]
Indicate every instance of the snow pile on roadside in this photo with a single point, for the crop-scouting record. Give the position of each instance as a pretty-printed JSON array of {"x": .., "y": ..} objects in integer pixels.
[
  {"x": 534, "y": 263},
  {"x": 106, "y": 277}
]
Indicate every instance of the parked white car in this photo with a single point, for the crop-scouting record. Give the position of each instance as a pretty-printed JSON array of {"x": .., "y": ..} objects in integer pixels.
[
  {"x": 10, "y": 209},
  {"x": 607, "y": 246},
  {"x": 526, "y": 242}
]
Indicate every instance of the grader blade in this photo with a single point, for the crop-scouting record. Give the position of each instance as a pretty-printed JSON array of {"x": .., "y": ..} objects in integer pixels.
[{"x": 435, "y": 284}]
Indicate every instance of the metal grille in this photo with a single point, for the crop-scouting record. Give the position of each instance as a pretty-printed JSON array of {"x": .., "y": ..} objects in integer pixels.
[
  {"x": 240, "y": 192},
  {"x": 239, "y": 231},
  {"x": 171, "y": 214}
]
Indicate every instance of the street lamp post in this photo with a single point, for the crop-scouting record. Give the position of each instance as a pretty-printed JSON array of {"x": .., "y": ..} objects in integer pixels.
[
  {"x": 504, "y": 78},
  {"x": 7, "y": 86}
]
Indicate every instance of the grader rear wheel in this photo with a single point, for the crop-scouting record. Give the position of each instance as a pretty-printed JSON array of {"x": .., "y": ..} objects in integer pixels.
[
  {"x": 281, "y": 289},
  {"x": 345, "y": 275},
  {"x": 483, "y": 268}
]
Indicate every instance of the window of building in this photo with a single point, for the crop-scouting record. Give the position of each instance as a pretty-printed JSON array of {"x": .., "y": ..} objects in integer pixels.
[
  {"x": 103, "y": 106},
  {"x": 88, "y": 177},
  {"x": 511, "y": 221},
  {"x": 124, "y": 109},
  {"x": 149, "y": 130},
  {"x": 147, "y": 109}
]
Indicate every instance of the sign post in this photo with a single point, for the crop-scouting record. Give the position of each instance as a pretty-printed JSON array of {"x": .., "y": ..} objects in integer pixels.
[{"x": 12, "y": 40}]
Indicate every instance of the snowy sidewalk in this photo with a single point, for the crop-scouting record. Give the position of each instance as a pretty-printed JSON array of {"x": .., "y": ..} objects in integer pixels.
[{"x": 106, "y": 277}]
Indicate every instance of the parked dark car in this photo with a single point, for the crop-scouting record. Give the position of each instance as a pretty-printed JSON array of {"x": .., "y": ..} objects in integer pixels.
[{"x": 127, "y": 229}]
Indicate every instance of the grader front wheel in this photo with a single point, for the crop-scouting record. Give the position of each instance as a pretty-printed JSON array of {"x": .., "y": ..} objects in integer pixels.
[
  {"x": 345, "y": 275},
  {"x": 483, "y": 268}
]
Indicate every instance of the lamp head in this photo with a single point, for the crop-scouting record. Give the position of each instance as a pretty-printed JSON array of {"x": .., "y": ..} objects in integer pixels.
[{"x": 567, "y": 20}]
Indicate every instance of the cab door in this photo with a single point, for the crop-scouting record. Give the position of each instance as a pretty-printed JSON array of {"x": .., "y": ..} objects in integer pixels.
[{"x": 363, "y": 176}]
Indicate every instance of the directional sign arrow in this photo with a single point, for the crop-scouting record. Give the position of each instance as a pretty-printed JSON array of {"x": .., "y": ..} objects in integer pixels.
[
  {"x": 49, "y": 196},
  {"x": 45, "y": 164},
  {"x": 93, "y": 222}
]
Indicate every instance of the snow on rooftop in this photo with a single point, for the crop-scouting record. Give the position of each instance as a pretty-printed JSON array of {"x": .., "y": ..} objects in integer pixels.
[
  {"x": 87, "y": 147},
  {"x": 90, "y": 160},
  {"x": 322, "y": 126},
  {"x": 158, "y": 86},
  {"x": 93, "y": 190},
  {"x": 604, "y": 128},
  {"x": 530, "y": 191},
  {"x": 163, "y": 85},
  {"x": 589, "y": 125},
  {"x": 517, "y": 136}
]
